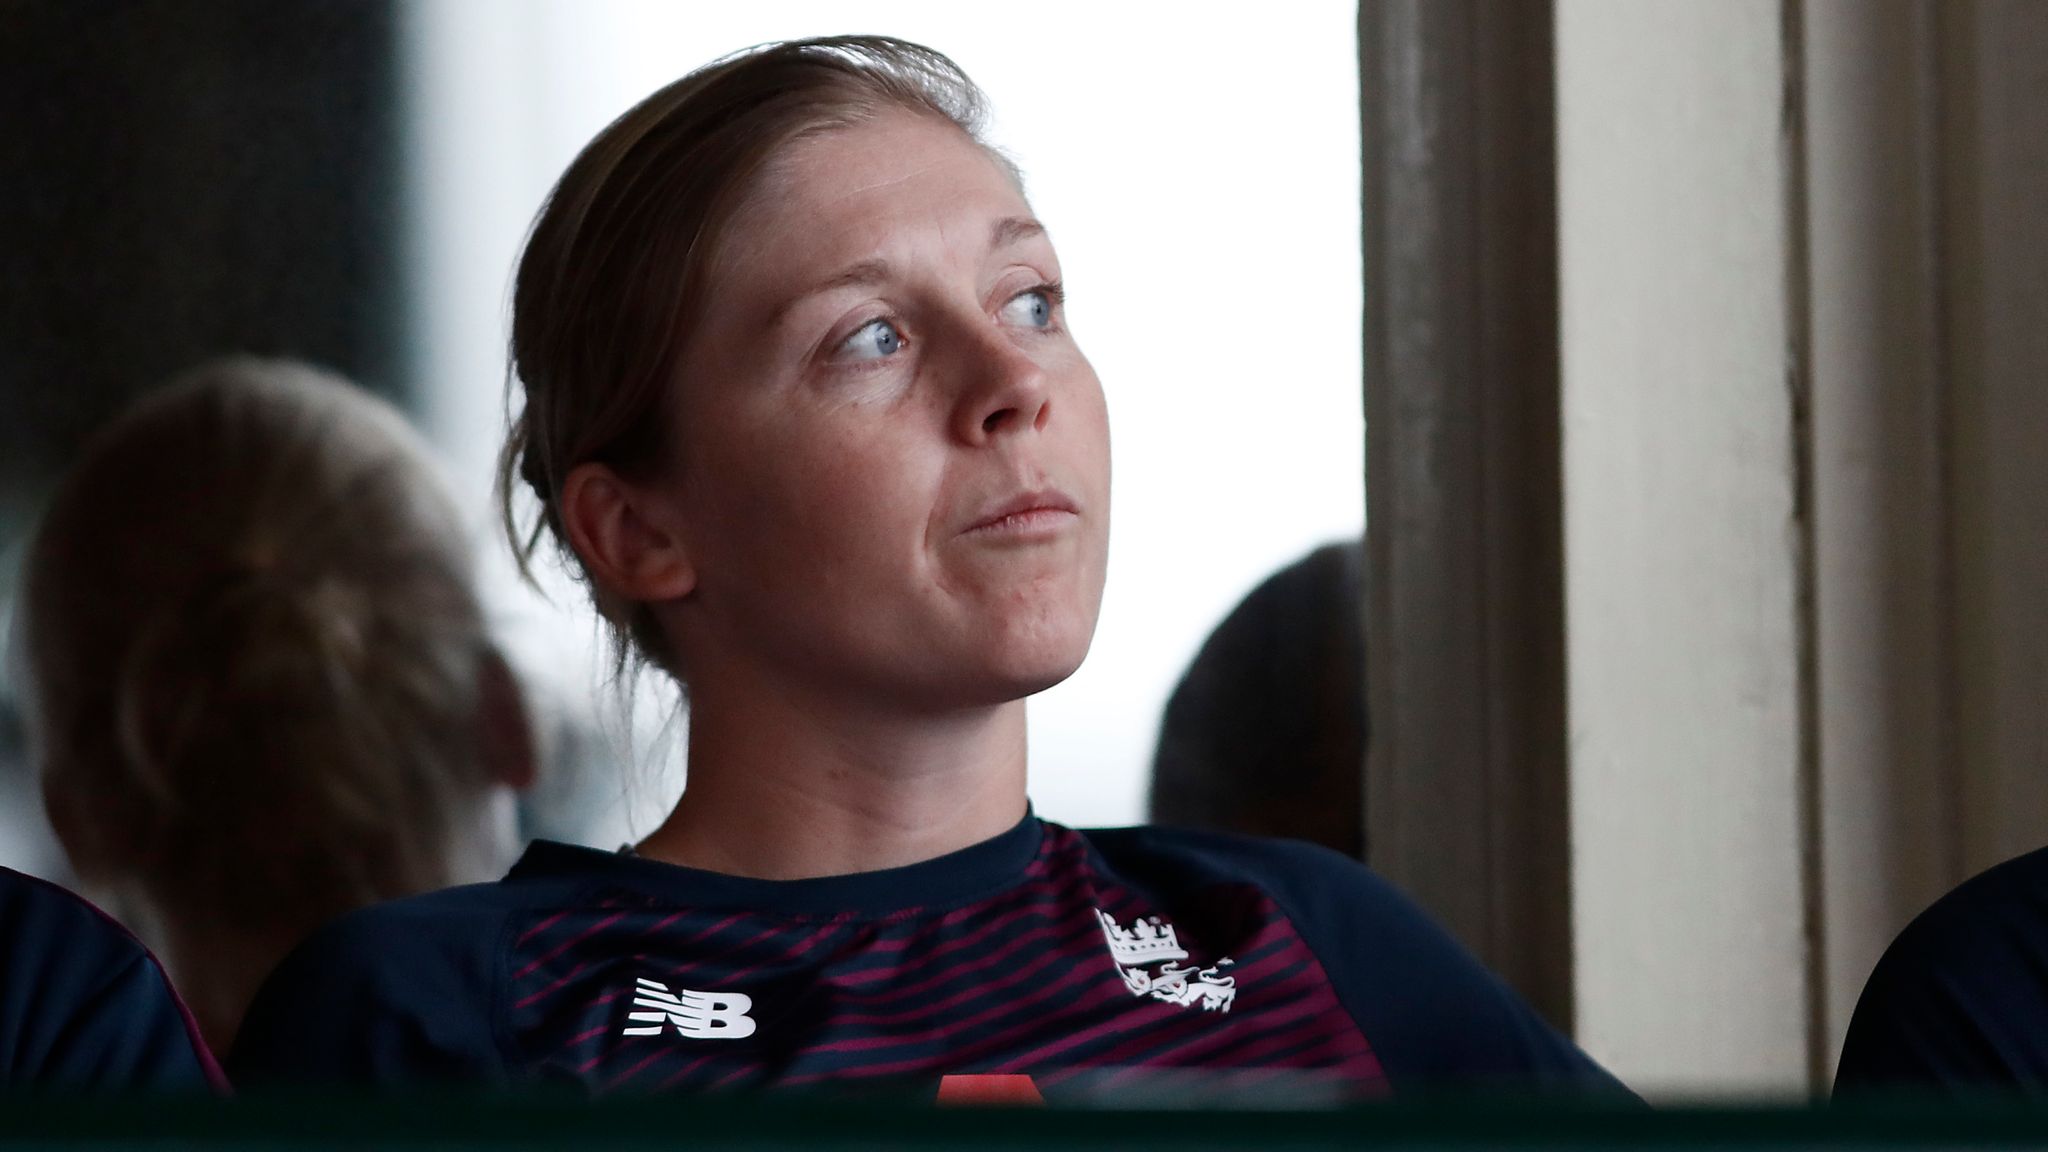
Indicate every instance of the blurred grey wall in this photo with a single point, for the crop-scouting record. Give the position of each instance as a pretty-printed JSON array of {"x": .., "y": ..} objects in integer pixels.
[{"x": 179, "y": 180}]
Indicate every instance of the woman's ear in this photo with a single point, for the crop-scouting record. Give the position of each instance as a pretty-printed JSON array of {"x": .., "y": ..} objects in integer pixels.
[
  {"x": 625, "y": 540},
  {"x": 505, "y": 724}
]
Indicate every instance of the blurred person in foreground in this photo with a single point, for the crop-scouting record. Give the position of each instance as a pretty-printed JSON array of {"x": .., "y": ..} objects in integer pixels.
[
  {"x": 802, "y": 402},
  {"x": 260, "y": 690}
]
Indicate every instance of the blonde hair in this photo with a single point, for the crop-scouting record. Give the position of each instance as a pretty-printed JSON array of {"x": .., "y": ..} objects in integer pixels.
[
  {"x": 254, "y": 650},
  {"x": 615, "y": 267}
]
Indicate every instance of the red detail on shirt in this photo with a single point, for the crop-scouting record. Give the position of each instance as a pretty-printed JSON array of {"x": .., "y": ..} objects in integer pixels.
[{"x": 1004, "y": 1090}]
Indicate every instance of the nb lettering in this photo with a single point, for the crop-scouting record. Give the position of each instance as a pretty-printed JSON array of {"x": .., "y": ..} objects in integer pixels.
[{"x": 694, "y": 1015}]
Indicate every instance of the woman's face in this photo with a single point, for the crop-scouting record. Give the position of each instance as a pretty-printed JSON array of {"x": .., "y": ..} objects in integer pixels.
[{"x": 894, "y": 459}]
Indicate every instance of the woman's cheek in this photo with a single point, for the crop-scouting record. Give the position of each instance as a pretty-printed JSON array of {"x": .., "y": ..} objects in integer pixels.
[{"x": 845, "y": 476}]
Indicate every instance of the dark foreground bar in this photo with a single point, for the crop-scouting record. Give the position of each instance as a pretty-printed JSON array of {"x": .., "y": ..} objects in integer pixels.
[{"x": 526, "y": 1122}]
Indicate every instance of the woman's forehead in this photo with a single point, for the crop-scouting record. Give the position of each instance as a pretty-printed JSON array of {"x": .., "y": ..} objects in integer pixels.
[{"x": 899, "y": 181}]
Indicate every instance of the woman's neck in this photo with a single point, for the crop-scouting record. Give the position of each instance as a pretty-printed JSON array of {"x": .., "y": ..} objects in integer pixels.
[
  {"x": 783, "y": 789},
  {"x": 217, "y": 973}
]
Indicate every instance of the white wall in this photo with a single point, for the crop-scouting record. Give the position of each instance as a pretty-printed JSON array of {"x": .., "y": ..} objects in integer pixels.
[
  {"x": 1789, "y": 735},
  {"x": 1199, "y": 171},
  {"x": 1681, "y": 547}
]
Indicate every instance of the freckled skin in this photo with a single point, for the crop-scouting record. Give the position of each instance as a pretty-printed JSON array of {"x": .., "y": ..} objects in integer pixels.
[{"x": 825, "y": 498}]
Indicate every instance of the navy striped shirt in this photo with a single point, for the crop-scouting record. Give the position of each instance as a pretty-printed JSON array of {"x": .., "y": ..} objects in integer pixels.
[{"x": 1096, "y": 963}]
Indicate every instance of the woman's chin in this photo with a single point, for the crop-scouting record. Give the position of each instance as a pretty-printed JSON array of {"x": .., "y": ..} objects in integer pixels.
[
  {"x": 1039, "y": 679},
  {"x": 1026, "y": 666}
]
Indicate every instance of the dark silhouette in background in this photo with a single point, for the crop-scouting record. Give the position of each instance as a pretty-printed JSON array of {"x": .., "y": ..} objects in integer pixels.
[
  {"x": 1958, "y": 1006},
  {"x": 1266, "y": 732}
]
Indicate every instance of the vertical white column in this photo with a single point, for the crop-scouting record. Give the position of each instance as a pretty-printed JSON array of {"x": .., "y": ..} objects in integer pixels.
[{"x": 1683, "y": 552}]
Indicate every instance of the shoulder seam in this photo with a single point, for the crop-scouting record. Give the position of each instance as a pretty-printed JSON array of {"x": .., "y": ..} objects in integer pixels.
[{"x": 1337, "y": 987}]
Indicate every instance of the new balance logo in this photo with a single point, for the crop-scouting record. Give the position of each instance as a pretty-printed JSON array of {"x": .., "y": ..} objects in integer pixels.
[{"x": 697, "y": 1015}]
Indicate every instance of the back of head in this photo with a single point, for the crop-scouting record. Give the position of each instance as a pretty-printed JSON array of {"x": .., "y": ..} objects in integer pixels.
[
  {"x": 254, "y": 649},
  {"x": 1266, "y": 733}
]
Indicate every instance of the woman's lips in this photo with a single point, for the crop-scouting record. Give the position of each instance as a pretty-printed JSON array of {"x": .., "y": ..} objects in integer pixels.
[
  {"x": 1030, "y": 515},
  {"x": 1028, "y": 523}
]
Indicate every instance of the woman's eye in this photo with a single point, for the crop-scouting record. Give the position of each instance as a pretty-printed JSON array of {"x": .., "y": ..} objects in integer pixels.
[
  {"x": 875, "y": 340},
  {"x": 1032, "y": 309}
]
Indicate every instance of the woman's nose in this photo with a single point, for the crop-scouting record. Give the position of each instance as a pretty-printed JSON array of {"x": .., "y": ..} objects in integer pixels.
[{"x": 1006, "y": 391}]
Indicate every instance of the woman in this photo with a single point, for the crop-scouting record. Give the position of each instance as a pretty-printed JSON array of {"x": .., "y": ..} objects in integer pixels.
[
  {"x": 261, "y": 690},
  {"x": 802, "y": 404}
]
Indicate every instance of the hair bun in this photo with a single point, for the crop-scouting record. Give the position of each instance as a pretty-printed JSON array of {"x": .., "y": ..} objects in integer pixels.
[{"x": 247, "y": 637}]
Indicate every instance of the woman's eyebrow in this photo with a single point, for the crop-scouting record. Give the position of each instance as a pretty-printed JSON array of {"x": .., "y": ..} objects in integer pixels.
[
  {"x": 1011, "y": 229},
  {"x": 852, "y": 276},
  {"x": 1008, "y": 230}
]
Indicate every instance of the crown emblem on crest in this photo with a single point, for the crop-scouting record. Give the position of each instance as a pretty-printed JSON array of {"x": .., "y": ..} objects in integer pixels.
[{"x": 1146, "y": 941}]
